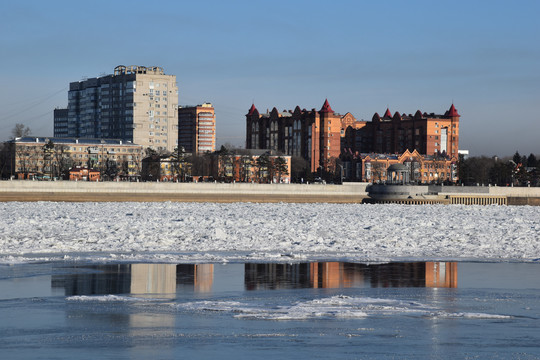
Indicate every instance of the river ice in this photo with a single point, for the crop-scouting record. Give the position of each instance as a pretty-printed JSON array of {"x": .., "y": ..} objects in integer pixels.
[{"x": 211, "y": 232}]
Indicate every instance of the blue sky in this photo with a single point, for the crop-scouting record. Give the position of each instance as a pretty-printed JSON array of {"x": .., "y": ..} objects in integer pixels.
[{"x": 364, "y": 56}]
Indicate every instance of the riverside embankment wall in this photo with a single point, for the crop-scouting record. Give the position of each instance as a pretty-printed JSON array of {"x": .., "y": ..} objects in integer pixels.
[
  {"x": 168, "y": 191},
  {"x": 514, "y": 195},
  {"x": 240, "y": 192}
]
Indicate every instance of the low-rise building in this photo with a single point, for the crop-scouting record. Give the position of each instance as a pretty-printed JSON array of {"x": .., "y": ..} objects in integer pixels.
[
  {"x": 49, "y": 157},
  {"x": 79, "y": 173},
  {"x": 261, "y": 166},
  {"x": 417, "y": 168}
]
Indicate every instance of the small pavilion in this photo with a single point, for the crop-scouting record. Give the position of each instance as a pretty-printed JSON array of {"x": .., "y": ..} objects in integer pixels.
[{"x": 398, "y": 174}]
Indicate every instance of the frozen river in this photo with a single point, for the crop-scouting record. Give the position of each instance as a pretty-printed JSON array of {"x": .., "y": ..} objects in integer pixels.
[
  {"x": 320, "y": 310},
  {"x": 245, "y": 232},
  {"x": 238, "y": 281}
]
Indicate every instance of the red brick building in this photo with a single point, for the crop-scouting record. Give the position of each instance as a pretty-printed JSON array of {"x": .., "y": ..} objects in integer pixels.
[
  {"x": 394, "y": 134},
  {"x": 311, "y": 134},
  {"x": 321, "y": 137}
]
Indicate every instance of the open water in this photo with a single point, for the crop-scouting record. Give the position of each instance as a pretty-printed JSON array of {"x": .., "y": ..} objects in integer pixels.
[{"x": 427, "y": 310}]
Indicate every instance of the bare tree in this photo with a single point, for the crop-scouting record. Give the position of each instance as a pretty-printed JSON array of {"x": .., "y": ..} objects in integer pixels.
[{"x": 20, "y": 130}]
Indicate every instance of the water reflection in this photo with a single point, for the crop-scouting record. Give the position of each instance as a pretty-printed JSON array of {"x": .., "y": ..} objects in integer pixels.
[
  {"x": 345, "y": 275},
  {"x": 167, "y": 279}
]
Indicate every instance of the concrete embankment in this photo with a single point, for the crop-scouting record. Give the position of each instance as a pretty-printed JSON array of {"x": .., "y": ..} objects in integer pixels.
[
  {"x": 241, "y": 192},
  {"x": 187, "y": 192},
  {"x": 464, "y": 195}
]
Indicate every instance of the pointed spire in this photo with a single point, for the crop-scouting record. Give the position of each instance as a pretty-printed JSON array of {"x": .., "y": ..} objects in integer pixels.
[
  {"x": 252, "y": 109},
  {"x": 453, "y": 112},
  {"x": 326, "y": 107},
  {"x": 387, "y": 114}
]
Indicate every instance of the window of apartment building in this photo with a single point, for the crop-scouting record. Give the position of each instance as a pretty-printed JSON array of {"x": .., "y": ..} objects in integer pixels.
[
  {"x": 436, "y": 131},
  {"x": 436, "y": 125}
]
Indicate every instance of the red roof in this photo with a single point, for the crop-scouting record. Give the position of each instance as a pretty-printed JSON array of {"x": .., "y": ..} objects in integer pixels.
[
  {"x": 453, "y": 112},
  {"x": 326, "y": 107},
  {"x": 252, "y": 109},
  {"x": 387, "y": 113}
]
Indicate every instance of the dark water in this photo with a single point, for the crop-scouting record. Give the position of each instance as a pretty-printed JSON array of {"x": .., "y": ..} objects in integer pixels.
[{"x": 240, "y": 311}]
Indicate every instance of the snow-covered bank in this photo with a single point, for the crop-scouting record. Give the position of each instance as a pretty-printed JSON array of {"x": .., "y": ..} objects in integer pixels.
[{"x": 209, "y": 232}]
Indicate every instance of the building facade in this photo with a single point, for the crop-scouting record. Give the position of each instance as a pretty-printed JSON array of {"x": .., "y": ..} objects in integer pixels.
[
  {"x": 61, "y": 123},
  {"x": 252, "y": 166},
  {"x": 313, "y": 135},
  {"x": 197, "y": 128},
  {"x": 47, "y": 158},
  {"x": 321, "y": 137},
  {"x": 429, "y": 134},
  {"x": 375, "y": 168},
  {"x": 136, "y": 104}
]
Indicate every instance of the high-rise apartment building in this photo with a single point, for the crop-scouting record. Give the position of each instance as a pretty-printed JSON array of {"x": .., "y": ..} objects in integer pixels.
[
  {"x": 60, "y": 122},
  {"x": 197, "y": 128},
  {"x": 136, "y": 104}
]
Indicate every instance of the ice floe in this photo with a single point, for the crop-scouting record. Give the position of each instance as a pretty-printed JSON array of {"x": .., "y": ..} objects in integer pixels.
[{"x": 212, "y": 233}]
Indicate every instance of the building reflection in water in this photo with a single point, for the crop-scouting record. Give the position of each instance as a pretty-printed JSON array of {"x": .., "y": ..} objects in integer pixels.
[
  {"x": 166, "y": 280},
  {"x": 344, "y": 275},
  {"x": 136, "y": 279}
]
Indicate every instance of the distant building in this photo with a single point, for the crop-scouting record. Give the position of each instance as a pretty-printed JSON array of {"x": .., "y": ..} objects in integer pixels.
[
  {"x": 261, "y": 166},
  {"x": 61, "y": 123},
  {"x": 321, "y": 137},
  {"x": 464, "y": 153},
  {"x": 197, "y": 128},
  {"x": 79, "y": 173},
  {"x": 136, "y": 104},
  {"x": 313, "y": 135},
  {"x": 41, "y": 157},
  {"x": 166, "y": 168},
  {"x": 413, "y": 167},
  {"x": 394, "y": 134}
]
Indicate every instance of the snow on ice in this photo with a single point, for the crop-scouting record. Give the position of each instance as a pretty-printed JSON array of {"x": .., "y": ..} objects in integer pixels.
[{"x": 211, "y": 232}]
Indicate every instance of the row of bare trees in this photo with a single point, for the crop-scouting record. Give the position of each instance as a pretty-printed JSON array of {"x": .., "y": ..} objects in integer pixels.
[{"x": 516, "y": 171}]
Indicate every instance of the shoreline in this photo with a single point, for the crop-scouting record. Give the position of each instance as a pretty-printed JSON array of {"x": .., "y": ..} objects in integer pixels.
[{"x": 348, "y": 193}]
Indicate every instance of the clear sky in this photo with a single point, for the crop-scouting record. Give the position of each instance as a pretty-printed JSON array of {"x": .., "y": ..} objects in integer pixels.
[{"x": 364, "y": 56}]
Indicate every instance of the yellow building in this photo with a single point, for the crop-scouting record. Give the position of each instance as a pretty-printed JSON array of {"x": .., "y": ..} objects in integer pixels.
[{"x": 48, "y": 158}]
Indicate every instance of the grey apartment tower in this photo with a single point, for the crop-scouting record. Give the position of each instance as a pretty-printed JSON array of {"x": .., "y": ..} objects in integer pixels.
[{"x": 136, "y": 104}]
